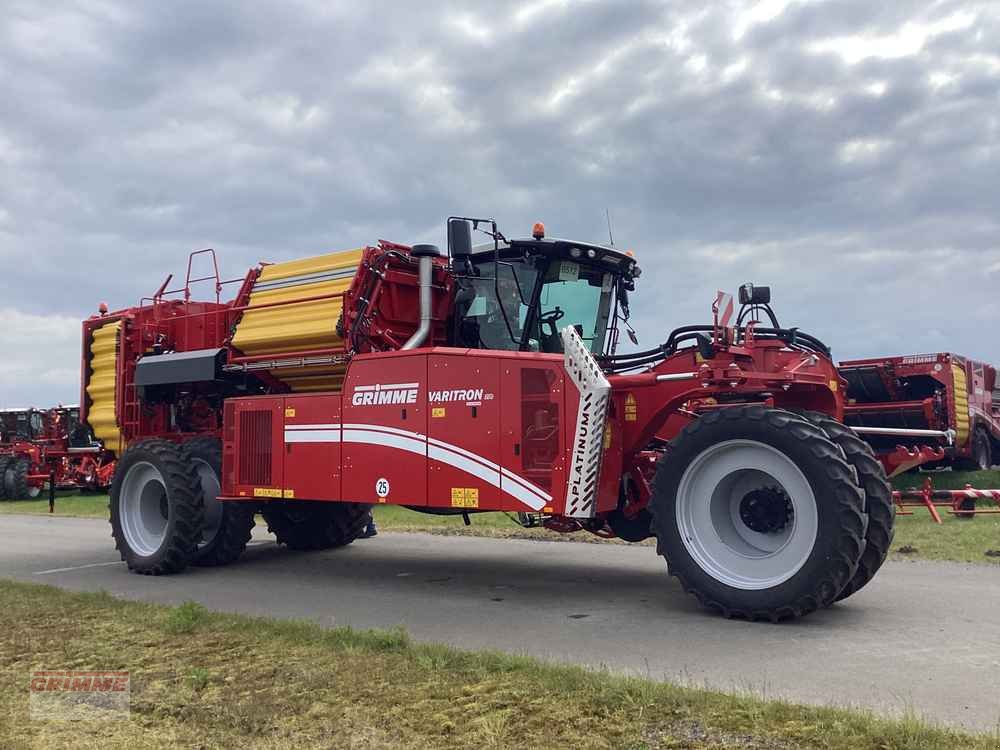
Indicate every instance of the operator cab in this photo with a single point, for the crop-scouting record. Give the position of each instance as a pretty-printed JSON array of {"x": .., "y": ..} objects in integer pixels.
[{"x": 516, "y": 295}]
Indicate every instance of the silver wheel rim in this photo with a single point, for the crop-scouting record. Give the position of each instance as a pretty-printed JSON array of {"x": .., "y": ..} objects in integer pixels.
[
  {"x": 210, "y": 489},
  {"x": 711, "y": 507},
  {"x": 143, "y": 508}
]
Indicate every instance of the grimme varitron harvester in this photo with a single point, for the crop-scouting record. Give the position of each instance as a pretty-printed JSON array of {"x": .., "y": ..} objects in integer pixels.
[{"x": 484, "y": 380}]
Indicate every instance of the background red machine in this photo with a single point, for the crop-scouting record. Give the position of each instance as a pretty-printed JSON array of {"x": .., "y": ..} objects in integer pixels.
[
  {"x": 40, "y": 447},
  {"x": 487, "y": 380},
  {"x": 939, "y": 409}
]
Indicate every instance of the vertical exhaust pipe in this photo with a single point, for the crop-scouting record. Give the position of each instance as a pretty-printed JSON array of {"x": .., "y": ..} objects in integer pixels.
[{"x": 426, "y": 254}]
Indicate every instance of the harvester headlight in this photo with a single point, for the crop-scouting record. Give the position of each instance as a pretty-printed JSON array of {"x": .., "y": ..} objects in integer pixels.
[
  {"x": 591, "y": 253},
  {"x": 575, "y": 252}
]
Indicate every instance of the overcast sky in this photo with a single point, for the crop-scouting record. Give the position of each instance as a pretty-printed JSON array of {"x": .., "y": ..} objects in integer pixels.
[{"x": 847, "y": 153}]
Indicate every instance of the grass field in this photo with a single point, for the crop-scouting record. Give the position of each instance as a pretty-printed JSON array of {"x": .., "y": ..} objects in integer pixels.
[
  {"x": 917, "y": 536},
  {"x": 206, "y": 680}
]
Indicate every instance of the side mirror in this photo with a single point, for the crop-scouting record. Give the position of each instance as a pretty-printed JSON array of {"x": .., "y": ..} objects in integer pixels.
[
  {"x": 755, "y": 295},
  {"x": 459, "y": 238}
]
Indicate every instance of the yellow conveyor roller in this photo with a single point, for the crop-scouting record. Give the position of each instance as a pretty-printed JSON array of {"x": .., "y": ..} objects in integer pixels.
[
  {"x": 101, "y": 385},
  {"x": 299, "y": 326}
]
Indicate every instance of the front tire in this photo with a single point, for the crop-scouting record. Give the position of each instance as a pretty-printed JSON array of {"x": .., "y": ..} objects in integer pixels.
[
  {"x": 316, "y": 525},
  {"x": 758, "y": 514},
  {"x": 156, "y": 508},
  {"x": 877, "y": 491}
]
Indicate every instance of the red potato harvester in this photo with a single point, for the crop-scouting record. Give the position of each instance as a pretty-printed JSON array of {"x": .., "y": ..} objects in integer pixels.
[{"x": 487, "y": 379}]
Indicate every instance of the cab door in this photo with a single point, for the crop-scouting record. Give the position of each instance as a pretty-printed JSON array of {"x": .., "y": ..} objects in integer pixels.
[{"x": 531, "y": 433}]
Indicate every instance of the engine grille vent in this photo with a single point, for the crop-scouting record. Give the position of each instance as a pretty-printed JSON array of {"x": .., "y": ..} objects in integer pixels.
[{"x": 256, "y": 449}]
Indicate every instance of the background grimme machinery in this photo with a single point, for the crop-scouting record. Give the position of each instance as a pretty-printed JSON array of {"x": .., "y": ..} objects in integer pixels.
[
  {"x": 487, "y": 380},
  {"x": 49, "y": 447},
  {"x": 928, "y": 410},
  {"x": 944, "y": 401}
]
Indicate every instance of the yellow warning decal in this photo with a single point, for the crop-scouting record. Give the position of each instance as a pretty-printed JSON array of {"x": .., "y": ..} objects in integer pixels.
[
  {"x": 438, "y": 411},
  {"x": 607, "y": 437},
  {"x": 290, "y": 412},
  {"x": 288, "y": 494},
  {"x": 631, "y": 408},
  {"x": 833, "y": 386},
  {"x": 266, "y": 492},
  {"x": 464, "y": 497}
]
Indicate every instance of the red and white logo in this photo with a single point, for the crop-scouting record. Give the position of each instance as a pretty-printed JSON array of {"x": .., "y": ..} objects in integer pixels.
[
  {"x": 75, "y": 695},
  {"x": 383, "y": 395}
]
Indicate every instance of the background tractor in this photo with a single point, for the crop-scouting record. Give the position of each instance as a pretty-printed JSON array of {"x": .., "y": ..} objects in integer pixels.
[{"x": 484, "y": 380}]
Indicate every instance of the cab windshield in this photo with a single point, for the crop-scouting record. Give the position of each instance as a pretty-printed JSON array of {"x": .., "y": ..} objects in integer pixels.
[{"x": 527, "y": 303}]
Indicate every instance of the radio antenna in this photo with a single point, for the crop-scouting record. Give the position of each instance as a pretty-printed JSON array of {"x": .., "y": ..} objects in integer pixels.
[{"x": 611, "y": 237}]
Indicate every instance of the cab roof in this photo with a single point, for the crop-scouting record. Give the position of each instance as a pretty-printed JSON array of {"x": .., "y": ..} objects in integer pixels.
[{"x": 562, "y": 248}]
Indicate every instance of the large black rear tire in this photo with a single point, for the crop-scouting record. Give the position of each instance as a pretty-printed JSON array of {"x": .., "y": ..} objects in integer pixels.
[
  {"x": 228, "y": 525},
  {"x": 156, "y": 508},
  {"x": 758, "y": 513},
  {"x": 308, "y": 525}
]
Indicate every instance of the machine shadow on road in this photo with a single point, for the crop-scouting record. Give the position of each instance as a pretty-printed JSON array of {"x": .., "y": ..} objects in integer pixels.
[{"x": 540, "y": 578}]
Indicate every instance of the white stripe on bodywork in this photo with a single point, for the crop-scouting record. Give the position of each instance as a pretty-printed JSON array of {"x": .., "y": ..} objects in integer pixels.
[
  {"x": 414, "y": 442},
  {"x": 312, "y": 436}
]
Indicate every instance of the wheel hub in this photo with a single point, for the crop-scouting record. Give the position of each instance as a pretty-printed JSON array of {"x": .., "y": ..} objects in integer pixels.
[
  {"x": 746, "y": 514},
  {"x": 144, "y": 509},
  {"x": 767, "y": 510}
]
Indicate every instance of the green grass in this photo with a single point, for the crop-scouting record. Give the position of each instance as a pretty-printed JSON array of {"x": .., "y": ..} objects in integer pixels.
[
  {"x": 203, "y": 679},
  {"x": 79, "y": 506},
  {"x": 975, "y": 540},
  {"x": 917, "y": 536}
]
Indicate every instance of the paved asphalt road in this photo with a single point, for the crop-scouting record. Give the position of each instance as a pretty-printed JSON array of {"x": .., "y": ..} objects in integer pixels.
[{"x": 923, "y": 636}]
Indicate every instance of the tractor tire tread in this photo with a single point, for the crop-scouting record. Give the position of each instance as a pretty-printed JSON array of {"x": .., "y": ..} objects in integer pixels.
[
  {"x": 17, "y": 488},
  {"x": 879, "y": 506},
  {"x": 329, "y": 525}
]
